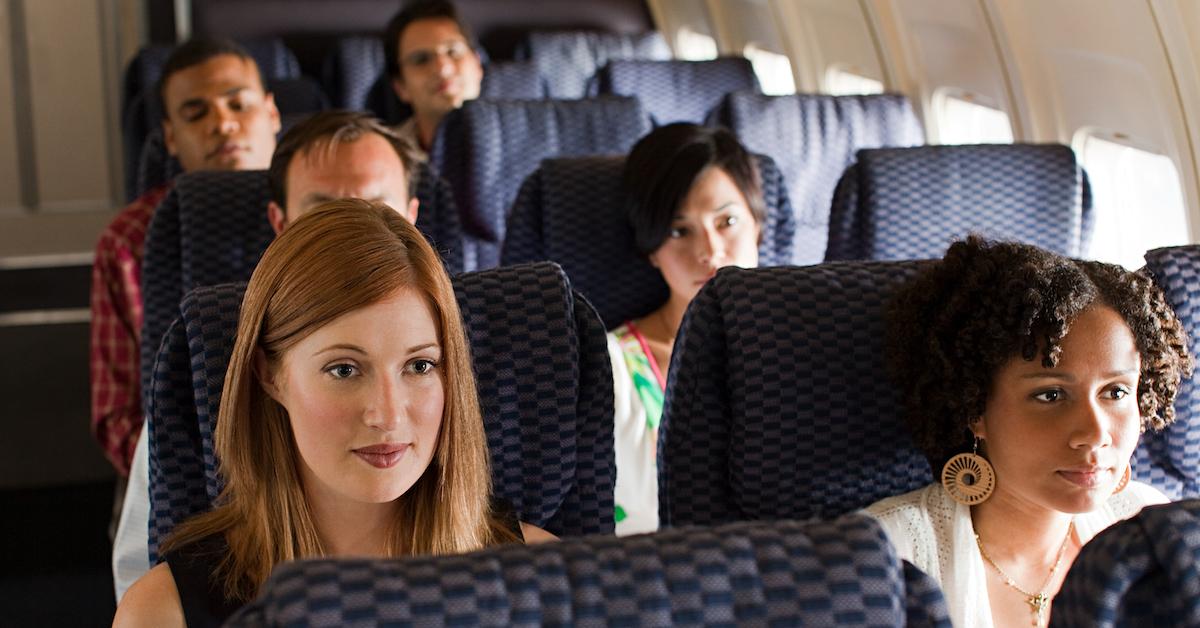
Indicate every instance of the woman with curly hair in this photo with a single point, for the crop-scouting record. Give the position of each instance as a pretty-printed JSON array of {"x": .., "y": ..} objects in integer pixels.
[{"x": 1027, "y": 378}]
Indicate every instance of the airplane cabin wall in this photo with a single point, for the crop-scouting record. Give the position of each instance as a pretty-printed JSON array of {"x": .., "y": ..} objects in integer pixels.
[{"x": 1121, "y": 70}]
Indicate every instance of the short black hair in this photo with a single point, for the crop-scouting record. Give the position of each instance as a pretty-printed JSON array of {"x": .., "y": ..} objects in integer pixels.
[
  {"x": 331, "y": 128},
  {"x": 413, "y": 11},
  {"x": 194, "y": 52},
  {"x": 953, "y": 327},
  {"x": 662, "y": 167}
]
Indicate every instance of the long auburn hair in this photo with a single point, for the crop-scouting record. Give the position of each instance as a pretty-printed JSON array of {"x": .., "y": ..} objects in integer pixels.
[{"x": 341, "y": 256}]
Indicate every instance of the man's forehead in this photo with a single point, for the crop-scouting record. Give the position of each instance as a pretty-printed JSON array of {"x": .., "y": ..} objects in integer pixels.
[
  {"x": 430, "y": 31},
  {"x": 221, "y": 75}
]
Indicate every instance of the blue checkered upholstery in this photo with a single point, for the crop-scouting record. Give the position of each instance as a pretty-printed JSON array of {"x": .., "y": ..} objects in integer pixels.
[
  {"x": 569, "y": 211},
  {"x": 1140, "y": 572},
  {"x": 813, "y": 138},
  {"x": 351, "y": 69},
  {"x": 911, "y": 203},
  {"x": 140, "y": 114},
  {"x": 212, "y": 228},
  {"x": 778, "y": 403},
  {"x": 487, "y": 148},
  {"x": 545, "y": 387},
  {"x": 840, "y": 573},
  {"x": 1170, "y": 460},
  {"x": 677, "y": 90},
  {"x": 567, "y": 60}
]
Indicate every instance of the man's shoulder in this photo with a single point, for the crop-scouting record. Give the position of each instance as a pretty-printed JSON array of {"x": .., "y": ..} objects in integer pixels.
[{"x": 132, "y": 222}]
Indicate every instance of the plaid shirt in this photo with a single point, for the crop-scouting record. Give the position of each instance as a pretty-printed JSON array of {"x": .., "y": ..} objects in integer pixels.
[{"x": 116, "y": 326}]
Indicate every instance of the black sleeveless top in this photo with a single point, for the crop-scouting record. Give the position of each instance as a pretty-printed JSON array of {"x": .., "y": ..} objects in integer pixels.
[{"x": 202, "y": 596}]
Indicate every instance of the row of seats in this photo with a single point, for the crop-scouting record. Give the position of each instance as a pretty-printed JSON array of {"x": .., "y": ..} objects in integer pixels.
[
  {"x": 1140, "y": 572},
  {"x": 353, "y": 77},
  {"x": 777, "y": 408}
]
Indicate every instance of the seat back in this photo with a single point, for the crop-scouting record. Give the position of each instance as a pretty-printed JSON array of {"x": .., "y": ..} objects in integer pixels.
[
  {"x": 212, "y": 228},
  {"x": 351, "y": 68},
  {"x": 1170, "y": 460},
  {"x": 1141, "y": 572},
  {"x": 813, "y": 138},
  {"x": 778, "y": 403},
  {"x": 911, "y": 203},
  {"x": 677, "y": 90},
  {"x": 486, "y": 149},
  {"x": 548, "y": 423},
  {"x": 570, "y": 211},
  {"x": 567, "y": 60},
  {"x": 842, "y": 573}
]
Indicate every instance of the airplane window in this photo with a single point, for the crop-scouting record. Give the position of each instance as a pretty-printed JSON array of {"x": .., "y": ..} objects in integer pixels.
[
  {"x": 1138, "y": 200},
  {"x": 773, "y": 69},
  {"x": 695, "y": 46},
  {"x": 846, "y": 81},
  {"x": 963, "y": 118}
]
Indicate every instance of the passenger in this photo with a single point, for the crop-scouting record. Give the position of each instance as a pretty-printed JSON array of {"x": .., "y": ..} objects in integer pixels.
[
  {"x": 216, "y": 116},
  {"x": 434, "y": 67},
  {"x": 1026, "y": 379},
  {"x": 695, "y": 203},
  {"x": 340, "y": 154},
  {"x": 349, "y": 422}
]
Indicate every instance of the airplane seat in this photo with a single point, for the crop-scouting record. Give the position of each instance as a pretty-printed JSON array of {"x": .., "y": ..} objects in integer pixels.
[
  {"x": 677, "y": 90},
  {"x": 350, "y": 69},
  {"x": 548, "y": 422},
  {"x": 911, "y": 203},
  {"x": 790, "y": 573},
  {"x": 570, "y": 211},
  {"x": 1170, "y": 460},
  {"x": 212, "y": 228},
  {"x": 567, "y": 60},
  {"x": 487, "y": 148},
  {"x": 813, "y": 138},
  {"x": 778, "y": 401},
  {"x": 140, "y": 110},
  {"x": 1144, "y": 571}
]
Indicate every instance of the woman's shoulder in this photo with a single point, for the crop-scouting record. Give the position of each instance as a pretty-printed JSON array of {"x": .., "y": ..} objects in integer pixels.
[
  {"x": 534, "y": 535},
  {"x": 153, "y": 600},
  {"x": 904, "y": 505}
]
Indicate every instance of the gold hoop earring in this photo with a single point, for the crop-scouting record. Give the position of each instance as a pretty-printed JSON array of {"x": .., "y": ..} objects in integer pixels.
[
  {"x": 1124, "y": 481},
  {"x": 969, "y": 478}
]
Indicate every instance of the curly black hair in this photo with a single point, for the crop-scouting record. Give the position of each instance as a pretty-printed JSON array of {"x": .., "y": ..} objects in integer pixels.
[{"x": 957, "y": 323}]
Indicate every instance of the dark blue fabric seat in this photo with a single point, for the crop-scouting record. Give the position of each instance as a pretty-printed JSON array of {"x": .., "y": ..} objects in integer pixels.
[
  {"x": 212, "y": 228},
  {"x": 813, "y": 138},
  {"x": 350, "y": 69},
  {"x": 778, "y": 403},
  {"x": 677, "y": 90},
  {"x": 570, "y": 211},
  {"x": 548, "y": 420},
  {"x": 567, "y": 60},
  {"x": 1141, "y": 572},
  {"x": 911, "y": 203},
  {"x": 1170, "y": 460},
  {"x": 840, "y": 573},
  {"x": 487, "y": 148}
]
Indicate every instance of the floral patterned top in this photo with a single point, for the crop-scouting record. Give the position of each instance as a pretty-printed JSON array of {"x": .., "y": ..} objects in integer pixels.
[{"x": 638, "y": 387}]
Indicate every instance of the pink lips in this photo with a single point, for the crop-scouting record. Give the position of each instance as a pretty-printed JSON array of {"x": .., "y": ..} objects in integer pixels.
[
  {"x": 1085, "y": 477},
  {"x": 383, "y": 456}
]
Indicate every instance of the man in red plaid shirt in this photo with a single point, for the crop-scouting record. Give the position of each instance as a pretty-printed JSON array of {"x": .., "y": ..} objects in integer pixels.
[{"x": 217, "y": 115}]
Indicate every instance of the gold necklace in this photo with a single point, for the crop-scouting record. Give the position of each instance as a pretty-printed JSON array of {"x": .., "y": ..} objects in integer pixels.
[{"x": 1038, "y": 602}]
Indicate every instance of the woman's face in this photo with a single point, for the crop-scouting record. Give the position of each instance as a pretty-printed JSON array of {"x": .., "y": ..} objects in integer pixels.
[
  {"x": 365, "y": 395},
  {"x": 1060, "y": 438},
  {"x": 713, "y": 228}
]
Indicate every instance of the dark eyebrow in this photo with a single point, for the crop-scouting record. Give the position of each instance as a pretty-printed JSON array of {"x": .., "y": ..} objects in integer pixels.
[
  {"x": 716, "y": 210},
  {"x": 316, "y": 198}
]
